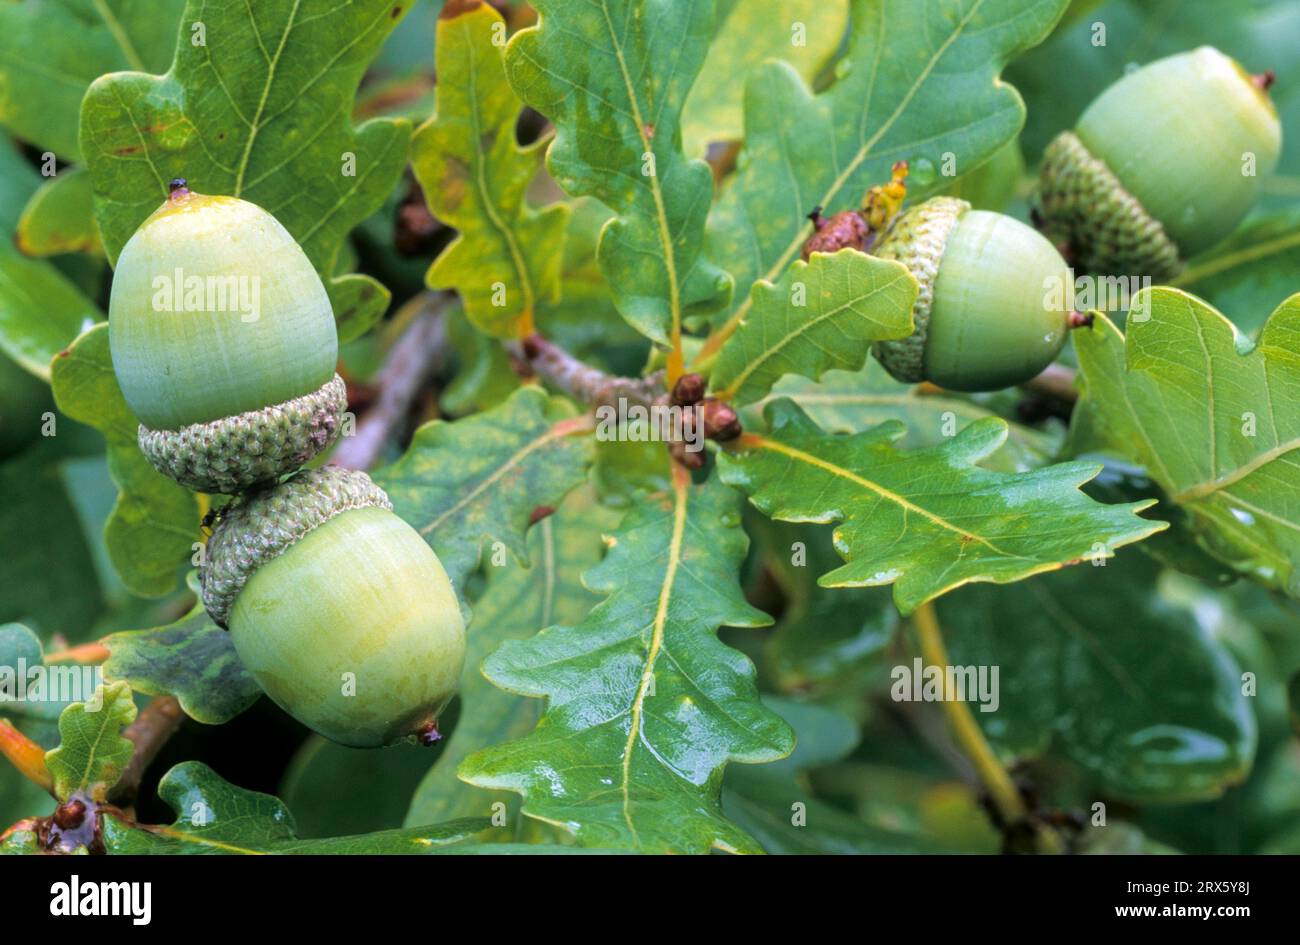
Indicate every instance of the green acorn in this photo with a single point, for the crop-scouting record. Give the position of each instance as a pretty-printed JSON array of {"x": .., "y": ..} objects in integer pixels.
[
  {"x": 24, "y": 399},
  {"x": 339, "y": 609},
  {"x": 224, "y": 344},
  {"x": 985, "y": 314},
  {"x": 1159, "y": 167}
]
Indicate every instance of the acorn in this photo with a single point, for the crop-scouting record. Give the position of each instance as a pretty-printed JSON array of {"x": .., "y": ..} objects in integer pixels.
[
  {"x": 24, "y": 400},
  {"x": 338, "y": 608},
  {"x": 1162, "y": 165},
  {"x": 224, "y": 345},
  {"x": 992, "y": 307}
]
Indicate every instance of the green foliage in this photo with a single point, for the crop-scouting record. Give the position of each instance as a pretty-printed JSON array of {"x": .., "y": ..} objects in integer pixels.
[
  {"x": 1214, "y": 426},
  {"x": 265, "y": 118},
  {"x": 931, "y": 520},
  {"x": 92, "y": 753},
  {"x": 645, "y": 704},
  {"x": 475, "y": 175}
]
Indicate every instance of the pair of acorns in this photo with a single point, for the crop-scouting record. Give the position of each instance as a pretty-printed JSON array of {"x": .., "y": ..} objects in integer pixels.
[
  {"x": 1162, "y": 165},
  {"x": 224, "y": 345}
]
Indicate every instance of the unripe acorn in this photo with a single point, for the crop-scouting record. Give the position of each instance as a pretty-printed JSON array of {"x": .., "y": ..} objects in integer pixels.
[
  {"x": 224, "y": 344},
  {"x": 984, "y": 319},
  {"x": 1162, "y": 165},
  {"x": 339, "y": 609},
  {"x": 24, "y": 398}
]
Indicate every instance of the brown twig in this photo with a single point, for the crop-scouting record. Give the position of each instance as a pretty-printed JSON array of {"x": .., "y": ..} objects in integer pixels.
[
  {"x": 87, "y": 654},
  {"x": 581, "y": 381},
  {"x": 416, "y": 357},
  {"x": 25, "y": 755},
  {"x": 156, "y": 723}
]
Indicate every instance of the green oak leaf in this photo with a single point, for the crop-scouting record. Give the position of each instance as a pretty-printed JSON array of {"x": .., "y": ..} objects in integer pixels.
[
  {"x": 822, "y": 314},
  {"x": 477, "y": 480},
  {"x": 518, "y": 602},
  {"x": 191, "y": 659},
  {"x": 805, "y": 33},
  {"x": 1212, "y": 420},
  {"x": 928, "y": 520},
  {"x": 155, "y": 521},
  {"x": 1150, "y": 706},
  {"x": 92, "y": 752},
  {"x": 917, "y": 82},
  {"x": 474, "y": 175},
  {"x": 645, "y": 704},
  {"x": 261, "y": 110},
  {"x": 60, "y": 217},
  {"x": 854, "y": 401},
  {"x": 20, "y": 653},
  {"x": 215, "y": 817},
  {"x": 51, "y": 50},
  {"x": 613, "y": 75}
]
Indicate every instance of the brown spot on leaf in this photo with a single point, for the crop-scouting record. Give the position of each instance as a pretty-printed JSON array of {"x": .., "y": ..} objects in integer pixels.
[
  {"x": 539, "y": 513},
  {"x": 454, "y": 8}
]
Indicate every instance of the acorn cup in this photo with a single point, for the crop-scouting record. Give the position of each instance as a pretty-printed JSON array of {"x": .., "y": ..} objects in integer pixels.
[
  {"x": 992, "y": 307},
  {"x": 338, "y": 608},
  {"x": 223, "y": 342},
  {"x": 1162, "y": 165}
]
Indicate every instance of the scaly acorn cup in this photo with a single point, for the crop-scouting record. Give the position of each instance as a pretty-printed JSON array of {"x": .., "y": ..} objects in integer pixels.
[
  {"x": 224, "y": 344},
  {"x": 984, "y": 314},
  {"x": 1162, "y": 165},
  {"x": 339, "y": 609}
]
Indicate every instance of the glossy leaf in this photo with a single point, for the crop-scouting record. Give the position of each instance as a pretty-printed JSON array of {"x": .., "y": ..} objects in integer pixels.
[
  {"x": 856, "y": 401},
  {"x": 821, "y": 315},
  {"x": 464, "y": 484},
  {"x": 805, "y": 33},
  {"x": 51, "y": 50},
  {"x": 928, "y": 520},
  {"x": 612, "y": 76},
  {"x": 92, "y": 753},
  {"x": 155, "y": 521},
  {"x": 506, "y": 258},
  {"x": 60, "y": 217},
  {"x": 1215, "y": 427},
  {"x": 917, "y": 83},
  {"x": 262, "y": 111},
  {"x": 215, "y": 817},
  {"x": 1150, "y": 705},
  {"x": 645, "y": 704},
  {"x": 518, "y": 602},
  {"x": 192, "y": 659}
]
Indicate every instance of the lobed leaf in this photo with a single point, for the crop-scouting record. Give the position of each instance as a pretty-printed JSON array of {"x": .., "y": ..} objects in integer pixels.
[
  {"x": 477, "y": 480},
  {"x": 261, "y": 109},
  {"x": 215, "y": 817},
  {"x": 22, "y": 664},
  {"x": 92, "y": 753},
  {"x": 821, "y": 315},
  {"x": 851, "y": 402},
  {"x": 613, "y": 75},
  {"x": 154, "y": 522},
  {"x": 506, "y": 259},
  {"x": 60, "y": 217},
  {"x": 1212, "y": 420},
  {"x": 645, "y": 704},
  {"x": 929, "y": 520},
  {"x": 917, "y": 82}
]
